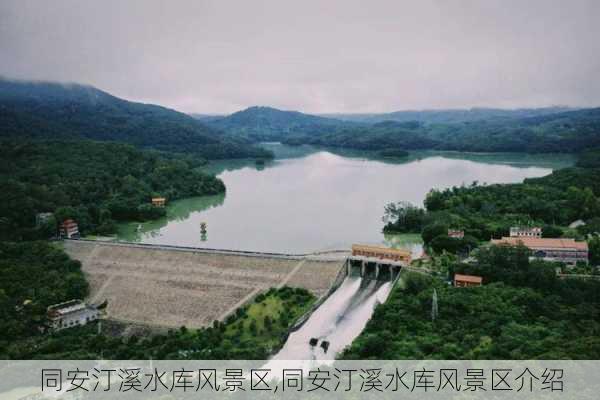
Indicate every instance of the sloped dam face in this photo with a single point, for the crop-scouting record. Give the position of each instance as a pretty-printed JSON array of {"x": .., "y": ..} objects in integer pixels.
[{"x": 336, "y": 323}]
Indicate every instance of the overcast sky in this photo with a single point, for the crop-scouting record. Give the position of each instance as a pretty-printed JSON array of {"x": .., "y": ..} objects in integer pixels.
[{"x": 314, "y": 56}]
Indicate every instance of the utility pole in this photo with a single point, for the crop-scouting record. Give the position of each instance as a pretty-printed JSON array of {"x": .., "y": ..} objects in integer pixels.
[{"x": 434, "y": 306}]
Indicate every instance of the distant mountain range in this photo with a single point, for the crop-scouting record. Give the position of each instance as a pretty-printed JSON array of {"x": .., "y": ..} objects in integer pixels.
[
  {"x": 450, "y": 115},
  {"x": 552, "y": 129},
  {"x": 57, "y": 111},
  {"x": 51, "y": 110}
]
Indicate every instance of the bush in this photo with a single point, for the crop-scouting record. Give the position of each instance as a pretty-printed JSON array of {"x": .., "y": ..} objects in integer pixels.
[
  {"x": 551, "y": 231},
  {"x": 453, "y": 245}
]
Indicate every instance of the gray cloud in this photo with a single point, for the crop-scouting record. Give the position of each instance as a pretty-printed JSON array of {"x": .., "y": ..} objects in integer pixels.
[{"x": 315, "y": 56}]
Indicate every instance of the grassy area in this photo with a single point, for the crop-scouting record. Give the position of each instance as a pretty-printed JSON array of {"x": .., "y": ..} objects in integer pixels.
[{"x": 267, "y": 320}]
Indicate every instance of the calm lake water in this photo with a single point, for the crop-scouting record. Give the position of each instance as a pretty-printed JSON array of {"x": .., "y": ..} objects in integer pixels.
[{"x": 311, "y": 199}]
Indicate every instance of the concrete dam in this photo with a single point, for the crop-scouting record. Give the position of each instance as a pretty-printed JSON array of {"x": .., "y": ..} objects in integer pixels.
[{"x": 168, "y": 287}]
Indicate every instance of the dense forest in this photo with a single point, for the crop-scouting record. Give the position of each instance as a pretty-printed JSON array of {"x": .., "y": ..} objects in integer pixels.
[
  {"x": 95, "y": 183},
  {"x": 66, "y": 111},
  {"x": 34, "y": 275},
  {"x": 488, "y": 211},
  {"x": 523, "y": 311}
]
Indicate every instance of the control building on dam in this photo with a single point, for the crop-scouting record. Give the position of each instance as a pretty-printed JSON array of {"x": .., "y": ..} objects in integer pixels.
[{"x": 376, "y": 263}]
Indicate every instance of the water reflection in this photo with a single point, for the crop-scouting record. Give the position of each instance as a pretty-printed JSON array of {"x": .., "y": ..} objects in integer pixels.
[
  {"x": 179, "y": 210},
  {"x": 310, "y": 199}
]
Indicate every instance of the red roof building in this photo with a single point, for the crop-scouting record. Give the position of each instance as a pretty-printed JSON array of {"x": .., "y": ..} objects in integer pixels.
[{"x": 467, "y": 280}]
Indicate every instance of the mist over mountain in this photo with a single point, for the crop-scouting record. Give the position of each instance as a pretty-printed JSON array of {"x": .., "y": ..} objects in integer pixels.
[{"x": 46, "y": 110}]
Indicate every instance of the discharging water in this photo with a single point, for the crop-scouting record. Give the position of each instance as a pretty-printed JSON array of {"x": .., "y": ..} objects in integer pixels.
[{"x": 337, "y": 321}]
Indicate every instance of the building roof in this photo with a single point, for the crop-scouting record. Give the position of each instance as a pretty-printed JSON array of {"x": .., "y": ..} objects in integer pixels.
[
  {"x": 468, "y": 278},
  {"x": 69, "y": 223},
  {"x": 159, "y": 199},
  {"x": 68, "y": 307},
  {"x": 542, "y": 243},
  {"x": 363, "y": 247}
]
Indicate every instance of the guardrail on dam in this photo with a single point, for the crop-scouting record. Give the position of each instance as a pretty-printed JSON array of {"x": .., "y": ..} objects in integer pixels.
[{"x": 209, "y": 249}]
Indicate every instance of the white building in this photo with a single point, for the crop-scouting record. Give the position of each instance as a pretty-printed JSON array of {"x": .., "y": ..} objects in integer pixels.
[
  {"x": 518, "y": 231},
  {"x": 42, "y": 218},
  {"x": 71, "y": 313}
]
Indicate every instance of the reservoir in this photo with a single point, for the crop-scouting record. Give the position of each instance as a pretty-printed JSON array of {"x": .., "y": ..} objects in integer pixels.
[{"x": 309, "y": 199}]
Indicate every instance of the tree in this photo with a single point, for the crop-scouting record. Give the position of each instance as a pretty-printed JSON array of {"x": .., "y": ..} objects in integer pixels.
[
  {"x": 403, "y": 217},
  {"x": 434, "y": 200},
  {"x": 551, "y": 231},
  {"x": 453, "y": 245},
  {"x": 432, "y": 231}
]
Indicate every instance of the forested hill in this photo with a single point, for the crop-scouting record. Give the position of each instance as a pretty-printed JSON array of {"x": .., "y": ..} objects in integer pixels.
[
  {"x": 266, "y": 123},
  {"x": 571, "y": 131},
  {"x": 95, "y": 183},
  {"x": 59, "y": 111}
]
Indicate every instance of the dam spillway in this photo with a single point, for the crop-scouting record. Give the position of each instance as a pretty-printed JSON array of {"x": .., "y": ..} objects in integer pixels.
[{"x": 337, "y": 321}]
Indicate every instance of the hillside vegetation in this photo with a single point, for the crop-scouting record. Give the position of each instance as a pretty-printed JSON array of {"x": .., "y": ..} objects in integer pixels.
[
  {"x": 41, "y": 110},
  {"x": 95, "y": 183},
  {"x": 270, "y": 124}
]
